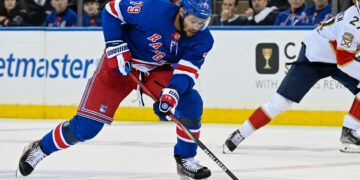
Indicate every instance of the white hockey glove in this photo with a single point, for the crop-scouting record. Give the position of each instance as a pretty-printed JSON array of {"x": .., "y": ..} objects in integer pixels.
[{"x": 119, "y": 57}]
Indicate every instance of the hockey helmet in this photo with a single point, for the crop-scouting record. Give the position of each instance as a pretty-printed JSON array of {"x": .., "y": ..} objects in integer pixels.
[{"x": 198, "y": 8}]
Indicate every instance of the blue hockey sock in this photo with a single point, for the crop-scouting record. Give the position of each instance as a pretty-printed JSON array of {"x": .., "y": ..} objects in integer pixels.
[{"x": 69, "y": 133}]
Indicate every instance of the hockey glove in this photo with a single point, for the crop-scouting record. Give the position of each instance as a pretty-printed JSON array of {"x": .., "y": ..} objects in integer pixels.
[
  {"x": 119, "y": 57},
  {"x": 168, "y": 102},
  {"x": 162, "y": 116}
]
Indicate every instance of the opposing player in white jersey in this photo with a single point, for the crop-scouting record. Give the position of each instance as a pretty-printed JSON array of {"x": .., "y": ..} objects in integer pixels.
[{"x": 329, "y": 50}]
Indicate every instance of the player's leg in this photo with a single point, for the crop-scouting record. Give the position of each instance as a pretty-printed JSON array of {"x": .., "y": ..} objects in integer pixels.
[
  {"x": 297, "y": 82},
  {"x": 190, "y": 110},
  {"x": 65, "y": 134},
  {"x": 105, "y": 90},
  {"x": 349, "y": 138}
]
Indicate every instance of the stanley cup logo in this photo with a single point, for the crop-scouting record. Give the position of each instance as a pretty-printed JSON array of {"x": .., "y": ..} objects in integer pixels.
[
  {"x": 267, "y": 58},
  {"x": 267, "y": 53}
]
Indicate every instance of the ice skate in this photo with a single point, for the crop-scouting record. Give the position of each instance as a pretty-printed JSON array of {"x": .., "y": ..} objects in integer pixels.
[
  {"x": 30, "y": 157},
  {"x": 232, "y": 141},
  {"x": 350, "y": 141},
  {"x": 188, "y": 168}
]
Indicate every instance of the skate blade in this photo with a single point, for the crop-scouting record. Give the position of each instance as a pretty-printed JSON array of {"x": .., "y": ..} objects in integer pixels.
[
  {"x": 226, "y": 150},
  {"x": 182, "y": 177},
  {"x": 18, "y": 173},
  {"x": 349, "y": 148}
]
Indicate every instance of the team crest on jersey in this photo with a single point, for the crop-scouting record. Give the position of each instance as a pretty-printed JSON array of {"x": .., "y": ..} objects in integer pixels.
[{"x": 347, "y": 40}]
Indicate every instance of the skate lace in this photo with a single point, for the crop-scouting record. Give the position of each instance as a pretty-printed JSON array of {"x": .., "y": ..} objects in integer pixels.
[
  {"x": 236, "y": 138},
  {"x": 191, "y": 164},
  {"x": 35, "y": 156}
]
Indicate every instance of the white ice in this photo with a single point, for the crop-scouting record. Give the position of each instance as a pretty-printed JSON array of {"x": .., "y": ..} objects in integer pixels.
[{"x": 144, "y": 151}]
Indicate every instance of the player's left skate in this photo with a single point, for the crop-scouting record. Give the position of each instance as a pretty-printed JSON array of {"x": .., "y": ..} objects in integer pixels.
[
  {"x": 350, "y": 141},
  {"x": 30, "y": 157},
  {"x": 188, "y": 169},
  {"x": 232, "y": 141}
]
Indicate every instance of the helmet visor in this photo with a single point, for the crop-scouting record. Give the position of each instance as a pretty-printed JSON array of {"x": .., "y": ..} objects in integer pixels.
[{"x": 197, "y": 22}]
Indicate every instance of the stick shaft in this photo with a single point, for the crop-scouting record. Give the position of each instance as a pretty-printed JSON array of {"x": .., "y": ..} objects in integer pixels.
[{"x": 187, "y": 131}]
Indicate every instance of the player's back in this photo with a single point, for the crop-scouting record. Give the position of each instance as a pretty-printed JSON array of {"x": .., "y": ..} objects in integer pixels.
[{"x": 338, "y": 32}]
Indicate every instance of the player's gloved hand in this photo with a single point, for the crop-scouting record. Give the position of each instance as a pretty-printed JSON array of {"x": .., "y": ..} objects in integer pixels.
[
  {"x": 119, "y": 57},
  {"x": 162, "y": 116},
  {"x": 168, "y": 101}
]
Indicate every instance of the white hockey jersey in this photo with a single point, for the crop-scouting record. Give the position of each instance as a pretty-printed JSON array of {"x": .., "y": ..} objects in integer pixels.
[{"x": 337, "y": 40}]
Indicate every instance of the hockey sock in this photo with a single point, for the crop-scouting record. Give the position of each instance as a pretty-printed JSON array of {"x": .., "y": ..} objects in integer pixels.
[
  {"x": 259, "y": 118},
  {"x": 352, "y": 119},
  {"x": 264, "y": 114},
  {"x": 185, "y": 146},
  {"x": 69, "y": 133},
  {"x": 246, "y": 129},
  {"x": 55, "y": 139}
]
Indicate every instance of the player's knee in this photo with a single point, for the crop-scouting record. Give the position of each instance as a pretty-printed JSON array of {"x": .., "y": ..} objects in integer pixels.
[
  {"x": 83, "y": 129},
  {"x": 276, "y": 105},
  {"x": 194, "y": 123},
  {"x": 190, "y": 105}
]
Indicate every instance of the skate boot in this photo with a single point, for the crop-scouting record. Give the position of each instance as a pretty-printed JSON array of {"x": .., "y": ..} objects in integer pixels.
[
  {"x": 350, "y": 141},
  {"x": 30, "y": 157},
  {"x": 188, "y": 169},
  {"x": 232, "y": 141}
]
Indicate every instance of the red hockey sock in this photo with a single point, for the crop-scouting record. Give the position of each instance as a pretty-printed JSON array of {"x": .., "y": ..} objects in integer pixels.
[
  {"x": 259, "y": 118},
  {"x": 355, "y": 109}
]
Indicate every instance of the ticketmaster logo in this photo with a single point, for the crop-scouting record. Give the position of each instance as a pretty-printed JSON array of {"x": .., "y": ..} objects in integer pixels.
[{"x": 13, "y": 67}]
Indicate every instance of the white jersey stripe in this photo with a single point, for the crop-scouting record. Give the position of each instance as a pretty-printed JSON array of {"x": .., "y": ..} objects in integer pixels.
[{"x": 192, "y": 75}]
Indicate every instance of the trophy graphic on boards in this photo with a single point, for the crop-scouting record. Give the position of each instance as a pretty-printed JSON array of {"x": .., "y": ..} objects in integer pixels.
[{"x": 267, "y": 53}]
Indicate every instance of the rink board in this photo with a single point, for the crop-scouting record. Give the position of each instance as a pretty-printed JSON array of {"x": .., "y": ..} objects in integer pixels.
[{"x": 43, "y": 73}]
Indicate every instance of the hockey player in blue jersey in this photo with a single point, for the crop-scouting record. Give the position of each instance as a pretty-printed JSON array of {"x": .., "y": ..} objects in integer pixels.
[{"x": 162, "y": 43}]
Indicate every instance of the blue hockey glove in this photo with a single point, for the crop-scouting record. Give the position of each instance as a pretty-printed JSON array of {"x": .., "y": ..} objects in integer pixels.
[
  {"x": 164, "y": 116},
  {"x": 119, "y": 57}
]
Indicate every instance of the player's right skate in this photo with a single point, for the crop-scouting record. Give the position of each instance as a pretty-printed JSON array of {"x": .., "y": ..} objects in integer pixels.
[
  {"x": 350, "y": 141},
  {"x": 188, "y": 169},
  {"x": 30, "y": 157},
  {"x": 233, "y": 141}
]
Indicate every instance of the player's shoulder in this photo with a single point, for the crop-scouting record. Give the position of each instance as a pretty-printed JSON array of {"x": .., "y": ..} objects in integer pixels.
[
  {"x": 349, "y": 20},
  {"x": 349, "y": 14},
  {"x": 145, "y": 5},
  {"x": 284, "y": 13},
  {"x": 203, "y": 40},
  {"x": 71, "y": 13},
  {"x": 140, "y": 11}
]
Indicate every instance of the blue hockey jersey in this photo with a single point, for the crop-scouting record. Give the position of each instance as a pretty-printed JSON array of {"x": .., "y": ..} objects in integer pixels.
[
  {"x": 147, "y": 26},
  {"x": 292, "y": 17},
  {"x": 315, "y": 17},
  {"x": 67, "y": 18}
]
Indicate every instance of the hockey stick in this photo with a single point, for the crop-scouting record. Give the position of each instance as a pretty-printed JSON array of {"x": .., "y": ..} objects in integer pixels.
[{"x": 187, "y": 131}]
